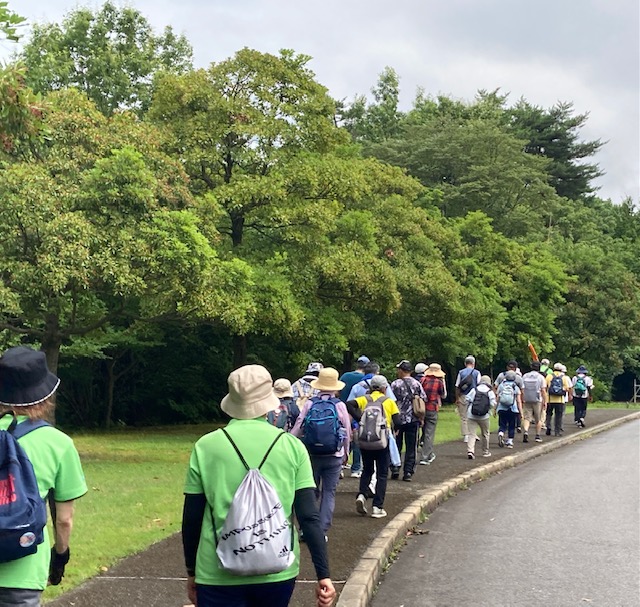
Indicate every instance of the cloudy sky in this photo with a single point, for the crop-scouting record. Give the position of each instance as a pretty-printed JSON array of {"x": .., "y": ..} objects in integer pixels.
[{"x": 582, "y": 51}]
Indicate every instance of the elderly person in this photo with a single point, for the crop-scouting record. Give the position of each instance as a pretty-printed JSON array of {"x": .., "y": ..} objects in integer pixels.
[
  {"x": 216, "y": 470},
  {"x": 375, "y": 459},
  {"x": 27, "y": 390},
  {"x": 435, "y": 390},
  {"x": 327, "y": 467},
  {"x": 509, "y": 407},
  {"x": 481, "y": 400}
]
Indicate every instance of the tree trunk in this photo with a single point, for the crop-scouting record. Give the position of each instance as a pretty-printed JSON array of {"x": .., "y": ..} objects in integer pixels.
[
  {"x": 347, "y": 361},
  {"x": 51, "y": 341},
  {"x": 237, "y": 229},
  {"x": 111, "y": 380},
  {"x": 239, "y": 350}
]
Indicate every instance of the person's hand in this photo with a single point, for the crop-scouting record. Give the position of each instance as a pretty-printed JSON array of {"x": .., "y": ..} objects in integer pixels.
[
  {"x": 57, "y": 565},
  {"x": 325, "y": 593},
  {"x": 191, "y": 590}
]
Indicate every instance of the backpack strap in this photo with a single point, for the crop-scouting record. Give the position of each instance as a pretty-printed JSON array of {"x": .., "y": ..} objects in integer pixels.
[
  {"x": 264, "y": 459},
  {"x": 29, "y": 425}
]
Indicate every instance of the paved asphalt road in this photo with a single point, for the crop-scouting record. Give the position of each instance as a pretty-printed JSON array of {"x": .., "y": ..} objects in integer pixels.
[{"x": 562, "y": 530}]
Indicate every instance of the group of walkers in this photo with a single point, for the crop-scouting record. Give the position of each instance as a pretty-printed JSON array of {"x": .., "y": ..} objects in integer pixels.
[
  {"x": 324, "y": 420},
  {"x": 283, "y": 453},
  {"x": 535, "y": 400}
]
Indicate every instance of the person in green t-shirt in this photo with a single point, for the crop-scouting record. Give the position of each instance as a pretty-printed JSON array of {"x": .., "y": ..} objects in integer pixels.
[
  {"x": 27, "y": 391},
  {"x": 215, "y": 473}
]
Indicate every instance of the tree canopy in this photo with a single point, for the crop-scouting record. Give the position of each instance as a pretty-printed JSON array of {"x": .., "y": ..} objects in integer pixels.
[{"x": 163, "y": 224}]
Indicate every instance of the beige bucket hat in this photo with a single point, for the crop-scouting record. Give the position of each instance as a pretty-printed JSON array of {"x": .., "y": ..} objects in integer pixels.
[
  {"x": 327, "y": 381},
  {"x": 282, "y": 388},
  {"x": 435, "y": 369},
  {"x": 251, "y": 393}
]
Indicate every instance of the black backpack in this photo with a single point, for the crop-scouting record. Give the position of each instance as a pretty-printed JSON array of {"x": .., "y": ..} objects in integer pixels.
[{"x": 481, "y": 404}]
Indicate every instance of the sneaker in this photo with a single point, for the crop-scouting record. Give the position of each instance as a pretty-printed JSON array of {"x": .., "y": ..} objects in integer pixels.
[
  {"x": 407, "y": 478},
  {"x": 525, "y": 438},
  {"x": 509, "y": 445},
  {"x": 500, "y": 439},
  {"x": 582, "y": 424},
  {"x": 378, "y": 512},
  {"x": 431, "y": 458},
  {"x": 486, "y": 454},
  {"x": 470, "y": 455},
  {"x": 538, "y": 438},
  {"x": 395, "y": 476},
  {"x": 341, "y": 473},
  {"x": 361, "y": 505},
  {"x": 424, "y": 462},
  {"x": 519, "y": 430},
  {"x": 556, "y": 434},
  {"x": 356, "y": 474},
  {"x": 548, "y": 432},
  {"x": 465, "y": 438}
]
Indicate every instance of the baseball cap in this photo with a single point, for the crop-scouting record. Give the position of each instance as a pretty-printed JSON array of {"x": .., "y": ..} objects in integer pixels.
[{"x": 405, "y": 365}]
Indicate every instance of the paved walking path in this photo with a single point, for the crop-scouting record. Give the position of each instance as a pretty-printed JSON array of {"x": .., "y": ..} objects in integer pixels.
[
  {"x": 561, "y": 531},
  {"x": 156, "y": 577}
]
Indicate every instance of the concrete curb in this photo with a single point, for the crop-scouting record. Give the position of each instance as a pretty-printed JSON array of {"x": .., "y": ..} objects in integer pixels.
[{"x": 360, "y": 587}]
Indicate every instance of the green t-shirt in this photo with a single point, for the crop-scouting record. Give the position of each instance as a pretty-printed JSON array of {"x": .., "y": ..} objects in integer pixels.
[
  {"x": 57, "y": 467},
  {"x": 216, "y": 470}
]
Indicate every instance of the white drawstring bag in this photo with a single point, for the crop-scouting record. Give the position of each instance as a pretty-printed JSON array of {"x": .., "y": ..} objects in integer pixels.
[{"x": 256, "y": 537}]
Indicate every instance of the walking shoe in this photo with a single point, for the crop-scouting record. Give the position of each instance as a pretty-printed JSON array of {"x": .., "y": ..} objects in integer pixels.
[
  {"x": 356, "y": 474},
  {"x": 361, "y": 505},
  {"x": 431, "y": 458},
  {"x": 548, "y": 432},
  {"x": 407, "y": 478},
  {"x": 424, "y": 462},
  {"x": 582, "y": 424},
  {"x": 519, "y": 429},
  {"x": 500, "y": 439},
  {"x": 470, "y": 455},
  {"x": 538, "y": 438},
  {"x": 525, "y": 438},
  {"x": 486, "y": 454},
  {"x": 395, "y": 476},
  {"x": 509, "y": 445},
  {"x": 378, "y": 512},
  {"x": 341, "y": 473}
]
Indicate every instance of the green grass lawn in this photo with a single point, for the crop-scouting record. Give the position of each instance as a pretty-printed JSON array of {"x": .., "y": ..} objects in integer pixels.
[{"x": 135, "y": 480}]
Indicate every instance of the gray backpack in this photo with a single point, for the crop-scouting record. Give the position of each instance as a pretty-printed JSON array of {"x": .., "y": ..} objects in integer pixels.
[
  {"x": 256, "y": 537},
  {"x": 372, "y": 429},
  {"x": 531, "y": 389}
]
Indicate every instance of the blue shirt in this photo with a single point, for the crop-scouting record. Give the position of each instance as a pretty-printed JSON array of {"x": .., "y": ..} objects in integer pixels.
[{"x": 362, "y": 388}]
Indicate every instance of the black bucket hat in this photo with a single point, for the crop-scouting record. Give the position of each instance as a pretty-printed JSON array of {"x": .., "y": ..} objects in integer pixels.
[{"x": 24, "y": 377}]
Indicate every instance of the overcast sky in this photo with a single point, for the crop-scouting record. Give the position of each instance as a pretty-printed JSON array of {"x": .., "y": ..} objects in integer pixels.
[{"x": 583, "y": 51}]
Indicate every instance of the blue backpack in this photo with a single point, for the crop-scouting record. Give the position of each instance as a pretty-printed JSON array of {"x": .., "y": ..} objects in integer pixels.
[
  {"x": 23, "y": 513},
  {"x": 323, "y": 432}
]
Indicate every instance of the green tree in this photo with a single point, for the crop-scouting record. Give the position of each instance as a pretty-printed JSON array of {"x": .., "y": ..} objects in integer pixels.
[
  {"x": 555, "y": 134},
  {"x": 257, "y": 135},
  {"x": 379, "y": 120},
  {"x": 99, "y": 230},
  {"x": 10, "y": 22},
  {"x": 111, "y": 55}
]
